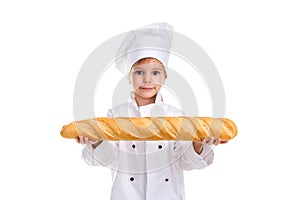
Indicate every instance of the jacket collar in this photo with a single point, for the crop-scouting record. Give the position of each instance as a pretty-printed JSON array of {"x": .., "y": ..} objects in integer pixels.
[{"x": 158, "y": 99}]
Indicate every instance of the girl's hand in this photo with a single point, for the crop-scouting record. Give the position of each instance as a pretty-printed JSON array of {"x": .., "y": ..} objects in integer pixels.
[
  {"x": 198, "y": 145},
  {"x": 85, "y": 140}
]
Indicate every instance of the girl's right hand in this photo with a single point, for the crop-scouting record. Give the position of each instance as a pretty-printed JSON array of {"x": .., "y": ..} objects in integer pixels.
[{"x": 85, "y": 140}]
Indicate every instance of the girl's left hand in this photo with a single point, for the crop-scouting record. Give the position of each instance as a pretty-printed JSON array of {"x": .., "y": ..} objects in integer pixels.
[{"x": 198, "y": 145}]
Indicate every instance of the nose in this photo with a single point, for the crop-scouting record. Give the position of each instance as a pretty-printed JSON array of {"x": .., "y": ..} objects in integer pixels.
[{"x": 147, "y": 78}]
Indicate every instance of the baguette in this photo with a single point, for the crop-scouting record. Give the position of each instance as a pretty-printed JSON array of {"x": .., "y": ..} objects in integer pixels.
[{"x": 148, "y": 128}]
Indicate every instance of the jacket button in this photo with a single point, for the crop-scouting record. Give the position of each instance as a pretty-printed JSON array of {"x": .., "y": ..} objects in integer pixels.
[
  {"x": 131, "y": 179},
  {"x": 166, "y": 179},
  {"x": 133, "y": 146},
  {"x": 159, "y": 146}
]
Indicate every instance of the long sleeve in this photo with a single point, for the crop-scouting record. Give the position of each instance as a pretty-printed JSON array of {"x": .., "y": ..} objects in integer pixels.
[
  {"x": 189, "y": 158},
  {"x": 104, "y": 154}
]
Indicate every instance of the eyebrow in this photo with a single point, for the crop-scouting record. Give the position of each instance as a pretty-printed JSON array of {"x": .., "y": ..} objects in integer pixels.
[
  {"x": 159, "y": 69},
  {"x": 139, "y": 68}
]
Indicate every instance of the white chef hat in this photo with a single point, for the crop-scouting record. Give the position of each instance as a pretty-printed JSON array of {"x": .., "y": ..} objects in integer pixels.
[{"x": 152, "y": 41}]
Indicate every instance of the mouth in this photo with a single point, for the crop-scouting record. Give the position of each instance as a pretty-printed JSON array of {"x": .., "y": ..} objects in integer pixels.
[{"x": 146, "y": 88}]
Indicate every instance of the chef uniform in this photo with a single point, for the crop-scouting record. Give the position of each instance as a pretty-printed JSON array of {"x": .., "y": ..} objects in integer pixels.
[{"x": 147, "y": 170}]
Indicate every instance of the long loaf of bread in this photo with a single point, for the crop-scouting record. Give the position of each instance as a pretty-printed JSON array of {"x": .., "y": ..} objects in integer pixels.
[{"x": 149, "y": 128}]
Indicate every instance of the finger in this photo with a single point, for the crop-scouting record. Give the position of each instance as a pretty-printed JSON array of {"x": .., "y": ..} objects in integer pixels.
[
  {"x": 83, "y": 140},
  {"x": 211, "y": 141},
  {"x": 89, "y": 141},
  {"x": 80, "y": 139},
  {"x": 86, "y": 140},
  {"x": 77, "y": 140},
  {"x": 217, "y": 141},
  {"x": 93, "y": 141}
]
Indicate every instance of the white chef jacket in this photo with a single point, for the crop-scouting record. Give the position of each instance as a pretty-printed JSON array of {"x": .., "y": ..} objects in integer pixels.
[{"x": 147, "y": 170}]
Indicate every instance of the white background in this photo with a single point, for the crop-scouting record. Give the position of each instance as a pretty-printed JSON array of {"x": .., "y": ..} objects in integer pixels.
[{"x": 255, "y": 46}]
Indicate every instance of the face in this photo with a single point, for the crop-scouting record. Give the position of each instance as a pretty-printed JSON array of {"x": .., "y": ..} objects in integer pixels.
[{"x": 147, "y": 78}]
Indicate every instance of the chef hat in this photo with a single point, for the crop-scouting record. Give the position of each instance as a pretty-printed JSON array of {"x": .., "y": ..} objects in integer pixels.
[{"x": 151, "y": 41}]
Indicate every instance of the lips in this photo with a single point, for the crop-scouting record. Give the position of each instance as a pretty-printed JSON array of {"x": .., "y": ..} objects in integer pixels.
[{"x": 147, "y": 88}]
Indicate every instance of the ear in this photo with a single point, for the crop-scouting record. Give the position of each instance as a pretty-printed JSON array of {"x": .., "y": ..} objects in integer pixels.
[{"x": 165, "y": 79}]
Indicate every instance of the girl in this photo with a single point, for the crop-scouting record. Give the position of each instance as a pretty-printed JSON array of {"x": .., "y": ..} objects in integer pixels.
[{"x": 148, "y": 170}]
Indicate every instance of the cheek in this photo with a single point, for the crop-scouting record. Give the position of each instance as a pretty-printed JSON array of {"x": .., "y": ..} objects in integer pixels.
[
  {"x": 158, "y": 80},
  {"x": 136, "y": 81},
  {"x": 159, "y": 83},
  {"x": 158, "y": 86}
]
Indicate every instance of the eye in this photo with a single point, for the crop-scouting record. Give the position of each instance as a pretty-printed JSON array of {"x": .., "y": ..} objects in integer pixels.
[
  {"x": 156, "y": 73},
  {"x": 138, "y": 72}
]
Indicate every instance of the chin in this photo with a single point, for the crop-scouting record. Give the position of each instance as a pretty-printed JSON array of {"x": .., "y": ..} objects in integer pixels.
[{"x": 147, "y": 96}]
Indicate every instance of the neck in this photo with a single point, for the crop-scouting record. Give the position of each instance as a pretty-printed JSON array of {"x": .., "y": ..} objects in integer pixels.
[{"x": 144, "y": 101}]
